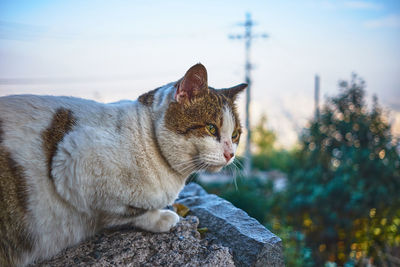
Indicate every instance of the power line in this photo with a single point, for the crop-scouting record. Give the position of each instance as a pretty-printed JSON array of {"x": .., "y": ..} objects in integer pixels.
[{"x": 248, "y": 36}]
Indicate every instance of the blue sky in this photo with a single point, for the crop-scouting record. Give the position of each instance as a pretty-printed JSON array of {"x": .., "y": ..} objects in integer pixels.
[{"x": 110, "y": 50}]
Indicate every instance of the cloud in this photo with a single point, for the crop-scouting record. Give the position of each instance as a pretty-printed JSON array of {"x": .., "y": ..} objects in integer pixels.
[
  {"x": 362, "y": 5},
  {"x": 353, "y": 5},
  {"x": 390, "y": 21}
]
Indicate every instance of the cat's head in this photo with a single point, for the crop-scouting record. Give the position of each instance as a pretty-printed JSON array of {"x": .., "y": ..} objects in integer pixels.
[{"x": 205, "y": 121}]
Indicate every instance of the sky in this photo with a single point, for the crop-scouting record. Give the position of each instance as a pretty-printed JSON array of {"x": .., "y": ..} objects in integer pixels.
[{"x": 112, "y": 50}]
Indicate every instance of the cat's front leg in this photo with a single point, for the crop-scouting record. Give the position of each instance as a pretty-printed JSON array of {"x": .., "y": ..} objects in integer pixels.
[{"x": 157, "y": 221}]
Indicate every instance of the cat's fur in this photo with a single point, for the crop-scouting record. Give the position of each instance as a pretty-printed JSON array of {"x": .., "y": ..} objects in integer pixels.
[{"x": 70, "y": 167}]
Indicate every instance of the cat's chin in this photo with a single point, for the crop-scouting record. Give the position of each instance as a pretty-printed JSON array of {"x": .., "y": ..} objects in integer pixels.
[{"x": 215, "y": 168}]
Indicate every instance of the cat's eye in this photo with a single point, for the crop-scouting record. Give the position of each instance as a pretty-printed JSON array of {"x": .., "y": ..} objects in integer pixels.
[
  {"x": 211, "y": 129},
  {"x": 235, "y": 135}
]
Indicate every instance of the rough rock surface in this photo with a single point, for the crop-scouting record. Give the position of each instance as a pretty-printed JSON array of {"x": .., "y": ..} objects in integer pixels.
[
  {"x": 129, "y": 247},
  {"x": 251, "y": 243},
  {"x": 232, "y": 239}
]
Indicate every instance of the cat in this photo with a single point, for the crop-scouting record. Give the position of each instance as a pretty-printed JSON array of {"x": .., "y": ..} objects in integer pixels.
[{"x": 70, "y": 167}]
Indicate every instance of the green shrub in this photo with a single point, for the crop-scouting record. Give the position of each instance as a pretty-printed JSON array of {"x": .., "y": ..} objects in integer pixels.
[{"x": 344, "y": 193}]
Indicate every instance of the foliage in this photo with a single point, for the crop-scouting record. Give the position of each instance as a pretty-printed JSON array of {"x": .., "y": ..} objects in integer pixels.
[
  {"x": 342, "y": 201},
  {"x": 267, "y": 157},
  {"x": 276, "y": 160},
  {"x": 257, "y": 198},
  {"x": 295, "y": 251},
  {"x": 249, "y": 194},
  {"x": 262, "y": 137},
  {"x": 344, "y": 194}
]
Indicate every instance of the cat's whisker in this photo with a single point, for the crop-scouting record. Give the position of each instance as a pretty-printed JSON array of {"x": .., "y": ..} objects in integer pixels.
[
  {"x": 197, "y": 166},
  {"x": 235, "y": 183},
  {"x": 183, "y": 169},
  {"x": 186, "y": 166},
  {"x": 234, "y": 166},
  {"x": 234, "y": 172},
  {"x": 187, "y": 162},
  {"x": 192, "y": 168},
  {"x": 203, "y": 167},
  {"x": 238, "y": 163},
  {"x": 188, "y": 169}
]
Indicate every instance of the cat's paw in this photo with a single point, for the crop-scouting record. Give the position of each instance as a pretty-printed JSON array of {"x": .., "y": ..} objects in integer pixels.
[
  {"x": 157, "y": 221},
  {"x": 167, "y": 220}
]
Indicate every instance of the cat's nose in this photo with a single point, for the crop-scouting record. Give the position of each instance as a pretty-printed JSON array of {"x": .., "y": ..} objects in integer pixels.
[{"x": 228, "y": 156}]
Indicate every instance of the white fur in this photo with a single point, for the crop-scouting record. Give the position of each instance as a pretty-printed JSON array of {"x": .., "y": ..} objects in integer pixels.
[{"x": 99, "y": 172}]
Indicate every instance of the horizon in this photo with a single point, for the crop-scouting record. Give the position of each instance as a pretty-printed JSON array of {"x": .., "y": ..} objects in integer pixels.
[{"x": 111, "y": 51}]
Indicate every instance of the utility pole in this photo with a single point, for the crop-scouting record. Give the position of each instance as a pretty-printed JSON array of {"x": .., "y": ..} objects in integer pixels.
[
  {"x": 316, "y": 97},
  {"x": 248, "y": 37}
]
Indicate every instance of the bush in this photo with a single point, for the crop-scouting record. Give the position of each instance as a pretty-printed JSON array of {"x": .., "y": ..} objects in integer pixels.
[
  {"x": 342, "y": 202},
  {"x": 344, "y": 192},
  {"x": 257, "y": 198},
  {"x": 275, "y": 160}
]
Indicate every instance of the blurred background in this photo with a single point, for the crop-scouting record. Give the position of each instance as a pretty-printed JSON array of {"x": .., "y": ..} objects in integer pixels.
[{"x": 324, "y": 112}]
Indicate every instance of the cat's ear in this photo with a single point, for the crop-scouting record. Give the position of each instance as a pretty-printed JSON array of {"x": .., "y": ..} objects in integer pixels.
[
  {"x": 234, "y": 91},
  {"x": 192, "y": 84}
]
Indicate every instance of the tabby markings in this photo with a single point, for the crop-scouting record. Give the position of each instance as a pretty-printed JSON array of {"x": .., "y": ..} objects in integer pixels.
[
  {"x": 14, "y": 240},
  {"x": 147, "y": 99},
  {"x": 207, "y": 108},
  {"x": 62, "y": 122}
]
